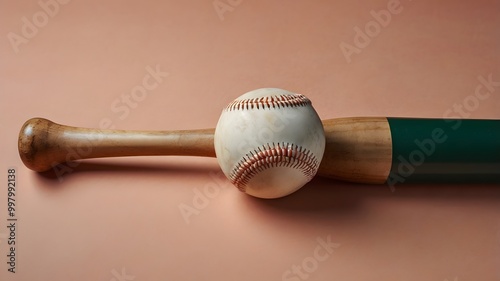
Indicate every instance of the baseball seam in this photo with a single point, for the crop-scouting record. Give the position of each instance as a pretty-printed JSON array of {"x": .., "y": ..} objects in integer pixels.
[
  {"x": 279, "y": 101},
  {"x": 278, "y": 155}
]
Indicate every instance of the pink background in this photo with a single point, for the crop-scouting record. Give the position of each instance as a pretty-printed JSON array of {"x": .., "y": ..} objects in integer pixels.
[{"x": 120, "y": 219}]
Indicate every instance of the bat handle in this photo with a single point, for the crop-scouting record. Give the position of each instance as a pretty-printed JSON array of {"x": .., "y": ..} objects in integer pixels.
[{"x": 44, "y": 144}]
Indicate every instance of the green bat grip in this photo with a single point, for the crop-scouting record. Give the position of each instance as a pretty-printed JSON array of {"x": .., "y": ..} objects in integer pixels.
[{"x": 444, "y": 150}]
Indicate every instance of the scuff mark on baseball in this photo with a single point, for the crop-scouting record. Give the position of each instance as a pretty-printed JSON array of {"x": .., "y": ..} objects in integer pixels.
[{"x": 269, "y": 142}]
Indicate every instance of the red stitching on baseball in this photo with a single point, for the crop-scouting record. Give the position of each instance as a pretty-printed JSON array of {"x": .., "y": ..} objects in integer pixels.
[
  {"x": 277, "y": 155},
  {"x": 279, "y": 101}
]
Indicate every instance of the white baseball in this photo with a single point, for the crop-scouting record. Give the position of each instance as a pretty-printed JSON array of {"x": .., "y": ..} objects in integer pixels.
[{"x": 269, "y": 142}]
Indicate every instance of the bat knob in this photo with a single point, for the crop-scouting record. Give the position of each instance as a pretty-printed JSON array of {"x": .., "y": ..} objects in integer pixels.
[{"x": 33, "y": 143}]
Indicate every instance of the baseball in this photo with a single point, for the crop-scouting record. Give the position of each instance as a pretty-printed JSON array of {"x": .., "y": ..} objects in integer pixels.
[{"x": 269, "y": 142}]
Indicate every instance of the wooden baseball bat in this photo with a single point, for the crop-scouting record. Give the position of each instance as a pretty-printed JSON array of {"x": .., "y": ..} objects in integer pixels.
[{"x": 371, "y": 150}]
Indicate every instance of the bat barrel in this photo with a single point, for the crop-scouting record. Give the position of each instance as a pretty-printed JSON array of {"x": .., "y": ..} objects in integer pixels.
[
  {"x": 444, "y": 150},
  {"x": 396, "y": 150}
]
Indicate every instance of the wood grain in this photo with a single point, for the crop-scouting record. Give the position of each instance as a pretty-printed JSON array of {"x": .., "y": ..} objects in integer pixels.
[{"x": 357, "y": 149}]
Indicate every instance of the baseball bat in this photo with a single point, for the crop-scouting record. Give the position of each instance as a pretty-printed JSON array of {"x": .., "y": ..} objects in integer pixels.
[{"x": 372, "y": 150}]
